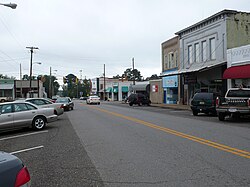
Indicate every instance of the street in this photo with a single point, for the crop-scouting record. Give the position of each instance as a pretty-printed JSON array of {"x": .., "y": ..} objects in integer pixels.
[{"x": 113, "y": 144}]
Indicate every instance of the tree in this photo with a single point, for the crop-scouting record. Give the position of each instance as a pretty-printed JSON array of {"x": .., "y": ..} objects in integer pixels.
[
  {"x": 153, "y": 77},
  {"x": 46, "y": 83},
  {"x": 132, "y": 74},
  {"x": 6, "y": 77}
]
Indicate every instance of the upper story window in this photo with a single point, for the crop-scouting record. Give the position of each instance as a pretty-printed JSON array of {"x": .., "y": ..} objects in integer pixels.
[
  {"x": 204, "y": 51},
  {"x": 166, "y": 61},
  {"x": 212, "y": 48},
  {"x": 190, "y": 54},
  {"x": 171, "y": 61},
  {"x": 197, "y": 52},
  {"x": 176, "y": 59}
]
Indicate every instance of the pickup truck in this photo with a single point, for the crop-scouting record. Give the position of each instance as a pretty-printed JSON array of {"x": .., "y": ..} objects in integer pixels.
[
  {"x": 236, "y": 103},
  {"x": 4, "y": 99}
]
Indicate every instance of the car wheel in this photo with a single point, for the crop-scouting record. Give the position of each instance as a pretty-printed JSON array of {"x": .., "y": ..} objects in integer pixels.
[
  {"x": 38, "y": 123},
  {"x": 72, "y": 108},
  {"x": 195, "y": 112},
  {"x": 130, "y": 104},
  {"x": 221, "y": 116}
]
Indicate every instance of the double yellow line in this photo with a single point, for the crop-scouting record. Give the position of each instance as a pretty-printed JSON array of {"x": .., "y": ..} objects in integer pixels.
[{"x": 222, "y": 147}]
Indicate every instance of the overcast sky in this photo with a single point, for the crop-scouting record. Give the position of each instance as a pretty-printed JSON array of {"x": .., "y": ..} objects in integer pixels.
[{"x": 84, "y": 35}]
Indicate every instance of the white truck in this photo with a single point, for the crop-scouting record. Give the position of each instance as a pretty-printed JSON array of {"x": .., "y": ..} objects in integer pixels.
[
  {"x": 236, "y": 103},
  {"x": 4, "y": 99}
]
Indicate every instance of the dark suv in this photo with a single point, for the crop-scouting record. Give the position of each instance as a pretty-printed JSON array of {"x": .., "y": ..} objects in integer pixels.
[
  {"x": 139, "y": 99},
  {"x": 204, "y": 103}
]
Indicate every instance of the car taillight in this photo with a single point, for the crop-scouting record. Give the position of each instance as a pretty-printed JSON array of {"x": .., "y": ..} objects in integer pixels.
[
  {"x": 217, "y": 101},
  {"x": 23, "y": 178},
  {"x": 248, "y": 102},
  {"x": 61, "y": 106}
]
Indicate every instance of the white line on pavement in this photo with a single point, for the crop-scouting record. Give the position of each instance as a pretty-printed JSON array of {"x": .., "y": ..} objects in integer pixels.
[
  {"x": 22, "y": 135},
  {"x": 29, "y": 149}
]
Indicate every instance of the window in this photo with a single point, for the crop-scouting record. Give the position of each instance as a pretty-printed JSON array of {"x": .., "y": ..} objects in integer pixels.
[
  {"x": 30, "y": 107},
  {"x": 196, "y": 52},
  {"x": 20, "y": 107},
  {"x": 166, "y": 61},
  {"x": 190, "y": 52},
  {"x": 176, "y": 59},
  {"x": 170, "y": 60},
  {"x": 212, "y": 48},
  {"x": 6, "y": 109},
  {"x": 204, "y": 51}
]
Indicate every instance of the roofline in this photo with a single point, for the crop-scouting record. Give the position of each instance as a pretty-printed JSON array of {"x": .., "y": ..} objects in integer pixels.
[{"x": 209, "y": 18}]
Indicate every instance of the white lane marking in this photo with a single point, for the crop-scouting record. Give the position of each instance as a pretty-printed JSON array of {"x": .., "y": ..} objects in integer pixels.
[
  {"x": 22, "y": 135},
  {"x": 29, "y": 149}
]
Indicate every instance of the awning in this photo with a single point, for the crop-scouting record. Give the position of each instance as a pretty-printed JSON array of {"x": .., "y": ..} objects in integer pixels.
[
  {"x": 115, "y": 89},
  {"x": 109, "y": 89},
  {"x": 124, "y": 89},
  {"x": 237, "y": 72},
  {"x": 6, "y": 86}
]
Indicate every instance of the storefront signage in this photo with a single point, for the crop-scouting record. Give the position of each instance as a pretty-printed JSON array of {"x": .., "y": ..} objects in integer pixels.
[
  {"x": 170, "y": 81},
  {"x": 239, "y": 54},
  {"x": 189, "y": 79},
  {"x": 154, "y": 88}
]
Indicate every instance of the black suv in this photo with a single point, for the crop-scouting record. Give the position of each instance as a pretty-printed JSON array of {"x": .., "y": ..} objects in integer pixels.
[
  {"x": 204, "y": 103},
  {"x": 139, "y": 99}
]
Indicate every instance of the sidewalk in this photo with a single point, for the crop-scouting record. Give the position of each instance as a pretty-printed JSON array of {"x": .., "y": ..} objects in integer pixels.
[{"x": 172, "y": 106}]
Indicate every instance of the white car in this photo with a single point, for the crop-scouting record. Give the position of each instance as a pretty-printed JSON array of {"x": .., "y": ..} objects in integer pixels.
[
  {"x": 15, "y": 115},
  {"x": 93, "y": 100},
  {"x": 45, "y": 103}
]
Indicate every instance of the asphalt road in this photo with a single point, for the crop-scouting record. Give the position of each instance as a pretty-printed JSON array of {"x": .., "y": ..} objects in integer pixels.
[
  {"x": 148, "y": 146},
  {"x": 113, "y": 144}
]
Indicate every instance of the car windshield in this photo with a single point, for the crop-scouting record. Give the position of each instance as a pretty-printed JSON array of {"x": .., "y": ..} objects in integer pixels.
[
  {"x": 203, "y": 96},
  {"x": 62, "y": 100},
  {"x": 238, "y": 93}
]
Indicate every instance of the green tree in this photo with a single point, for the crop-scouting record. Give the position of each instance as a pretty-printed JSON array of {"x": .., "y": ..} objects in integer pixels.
[
  {"x": 6, "y": 77},
  {"x": 132, "y": 74},
  {"x": 46, "y": 83}
]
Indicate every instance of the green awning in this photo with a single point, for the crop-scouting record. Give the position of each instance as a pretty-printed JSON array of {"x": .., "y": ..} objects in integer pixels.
[
  {"x": 109, "y": 89},
  {"x": 124, "y": 89},
  {"x": 115, "y": 89}
]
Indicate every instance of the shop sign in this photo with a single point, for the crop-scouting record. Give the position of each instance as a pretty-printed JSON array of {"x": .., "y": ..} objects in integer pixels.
[
  {"x": 170, "y": 81},
  {"x": 188, "y": 79},
  {"x": 239, "y": 54},
  {"x": 154, "y": 88}
]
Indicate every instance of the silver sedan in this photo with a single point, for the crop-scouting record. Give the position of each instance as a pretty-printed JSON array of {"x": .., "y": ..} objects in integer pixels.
[
  {"x": 45, "y": 103},
  {"x": 14, "y": 115}
]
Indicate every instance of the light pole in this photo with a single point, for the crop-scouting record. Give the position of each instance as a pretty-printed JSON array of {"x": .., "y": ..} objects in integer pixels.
[
  {"x": 31, "y": 76},
  {"x": 10, "y": 5}
]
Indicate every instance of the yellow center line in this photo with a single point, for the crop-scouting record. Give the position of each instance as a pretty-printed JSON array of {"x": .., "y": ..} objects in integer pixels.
[{"x": 226, "y": 148}]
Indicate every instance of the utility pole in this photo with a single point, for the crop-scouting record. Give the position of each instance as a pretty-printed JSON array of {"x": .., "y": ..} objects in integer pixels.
[
  {"x": 133, "y": 65},
  {"x": 104, "y": 84},
  {"x": 31, "y": 56},
  {"x": 50, "y": 83},
  {"x": 21, "y": 81}
]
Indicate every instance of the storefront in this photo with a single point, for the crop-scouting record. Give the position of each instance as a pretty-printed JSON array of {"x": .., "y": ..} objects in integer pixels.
[
  {"x": 238, "y": 71},
  {"x": 170, "y": 87}
]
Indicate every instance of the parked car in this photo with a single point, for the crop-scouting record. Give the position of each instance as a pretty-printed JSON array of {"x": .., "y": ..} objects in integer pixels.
[
  {"x": 93, "y": 100},
  {"x": 236, "y": 103},
  {"x": 13, "y": 172},
  {"x": 15, "y": 115},
  {"x": 45, "y": 103},
  {"x": 204, "y": 103},
  {"x": 67, "y": 103},
  {"x": 83, "y": 98},
  {"x": 139, "y": 99}
]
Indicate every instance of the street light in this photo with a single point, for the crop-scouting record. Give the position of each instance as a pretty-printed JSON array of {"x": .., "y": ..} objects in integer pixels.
[{"x": 10, "y": 5}]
